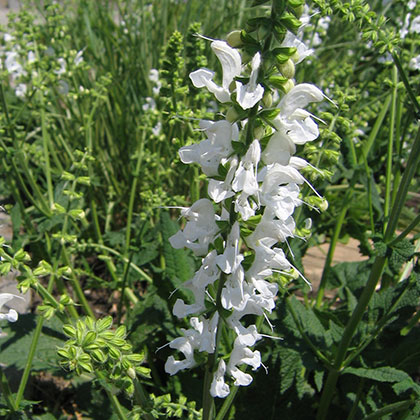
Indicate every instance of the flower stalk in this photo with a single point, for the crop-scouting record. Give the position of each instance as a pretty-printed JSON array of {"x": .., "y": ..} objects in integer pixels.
[{"x": 254, "y": 187}]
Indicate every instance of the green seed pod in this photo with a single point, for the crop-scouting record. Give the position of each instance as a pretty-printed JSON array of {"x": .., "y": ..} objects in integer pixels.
[
  {"x": 234, "y": 39},
  {"x": 69, "y": 330},
  {"x": 104, "y": 324},
  {"x": 89, "y": 338}
]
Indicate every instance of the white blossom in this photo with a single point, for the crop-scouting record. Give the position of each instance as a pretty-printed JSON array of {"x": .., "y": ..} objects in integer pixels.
[
  {"x": 11, "y": 315},
  {"x": 251, "y": 93}
]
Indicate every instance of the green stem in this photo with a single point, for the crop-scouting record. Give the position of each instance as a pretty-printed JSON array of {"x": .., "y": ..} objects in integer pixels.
[
  {"x": 403, "y": 76},
  {"x": 32, "y": 351},
  {"x": 208, "y": 403},
  {"x": 357, "y": 399},
  {"x": 410, "y": 171},
  {"x": 78, "y": 288},
  {"x": 406, "y": 231},
  {"x": 142, "y": 398},
  {"x": 391, "y": 408},
  {"x": 331, "y": 250},
  {"x": 388, "y": 178},
  {"x": 133, "y": 195},
  {"x": 227, "y": 403},
  {"x": 330, "y": 385},
  {"x": 376, "y": 127},
  {"x": 369, "y": 193},
  {"x": 142, "y": 273},
  {"x": 47, "y": 168},
  {"x": 112, "y": 398}
]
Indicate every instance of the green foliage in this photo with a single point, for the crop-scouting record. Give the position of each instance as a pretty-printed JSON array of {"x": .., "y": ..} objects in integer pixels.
[{"x": 89, "y": 159}]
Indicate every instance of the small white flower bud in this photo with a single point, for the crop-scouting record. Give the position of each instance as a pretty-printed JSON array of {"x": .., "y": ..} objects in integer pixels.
[
  {"x": 323, "y": 205},
  {"x": 287, "y": 69},
  {"x": 267, "y": 99},
  {"x": 231, "y": 115},
  {"x": 295, "y": 57},
  {"x": 131, "y": 373},
  {"x": 234, "y": 39},
  {"x": 288, "y": 86},
  {"x": 259, "y": 132}
]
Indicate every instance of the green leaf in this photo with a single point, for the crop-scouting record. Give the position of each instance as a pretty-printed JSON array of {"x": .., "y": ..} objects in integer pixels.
[
  {"x": 14, "y": 346},
  {"x": 311, "y": 325},
  {"x": 178, "y": 266},
  {"x": 381, "y": 374}
]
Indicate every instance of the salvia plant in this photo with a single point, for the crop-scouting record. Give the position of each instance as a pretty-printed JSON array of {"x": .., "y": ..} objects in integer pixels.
[{"x": 167, "y": 167}]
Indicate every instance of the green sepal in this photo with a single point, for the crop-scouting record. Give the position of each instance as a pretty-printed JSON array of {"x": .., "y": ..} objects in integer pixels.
[
  {"x": 239, "y": 148},
  {"x": 277, "y": 81}
]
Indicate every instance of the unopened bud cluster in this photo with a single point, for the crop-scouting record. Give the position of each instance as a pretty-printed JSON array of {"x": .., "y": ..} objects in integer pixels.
[{"x": 94, "y": 347}]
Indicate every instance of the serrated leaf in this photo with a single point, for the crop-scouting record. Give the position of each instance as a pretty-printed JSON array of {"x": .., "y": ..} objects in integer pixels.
[{"x": 310, "y": 324}]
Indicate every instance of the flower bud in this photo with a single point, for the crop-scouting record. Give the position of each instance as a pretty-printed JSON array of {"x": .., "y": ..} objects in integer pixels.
[
  {"x": 259, "y": 132},
  {"x": 234, "y": 39},
  {"x": 232, "y": 115},
  {"x": 287, "y": 69},
  {"x": 295, "y": 57},
  {"x": 288, "y": 86},
  {"x": 323, "y": 205},
  {"x": 267, "y": 99},
  {"x": 131, "y": 373}
]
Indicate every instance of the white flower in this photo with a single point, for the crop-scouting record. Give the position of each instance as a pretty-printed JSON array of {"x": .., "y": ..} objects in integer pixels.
[
  {"x": 415, "y": 25},
  {"x": 206, "y": 275},
  {"x": 218, "y": 386},
  {"x": 31, "y": 57},
  {"x": 414, "y": 63},
  {"x": 210, "y": 152},
  {"x": 20, "y": 90},
  {"x": 270, "y": 231},
  {"x": 220, "y": 190},
  {"x": 12, "y": 65},
  {"x": 232, "y": 293},
  {"x": 199, "y": 230},
  {"x": 248, "y": 95},
  {"x": 294, "y": 124},
  {"x": 8, "y": 38},
  {"x": 150, "y": 104},
  {"x": 244, "y": 207},
  {"x": 78, "y": 59},
  {"x": 11, "y": 315},
  {"x": 280, "y": 190},
  {"x": 230, "y": 59},
  {"x": 411, "y": 4},
  {"x": 241, "y": 354},
  {"x": 291, "y": 40},
  {"x": 246, "y": 175},
  {"x": 201, "y": 337},
  {"x": 154, "y": 77},
  {"x": 231, "y": 259},
  {"x": 62, "y": 62},
  {"x": 279, "y": 149},
  {"x": 404, "y": 29}
]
